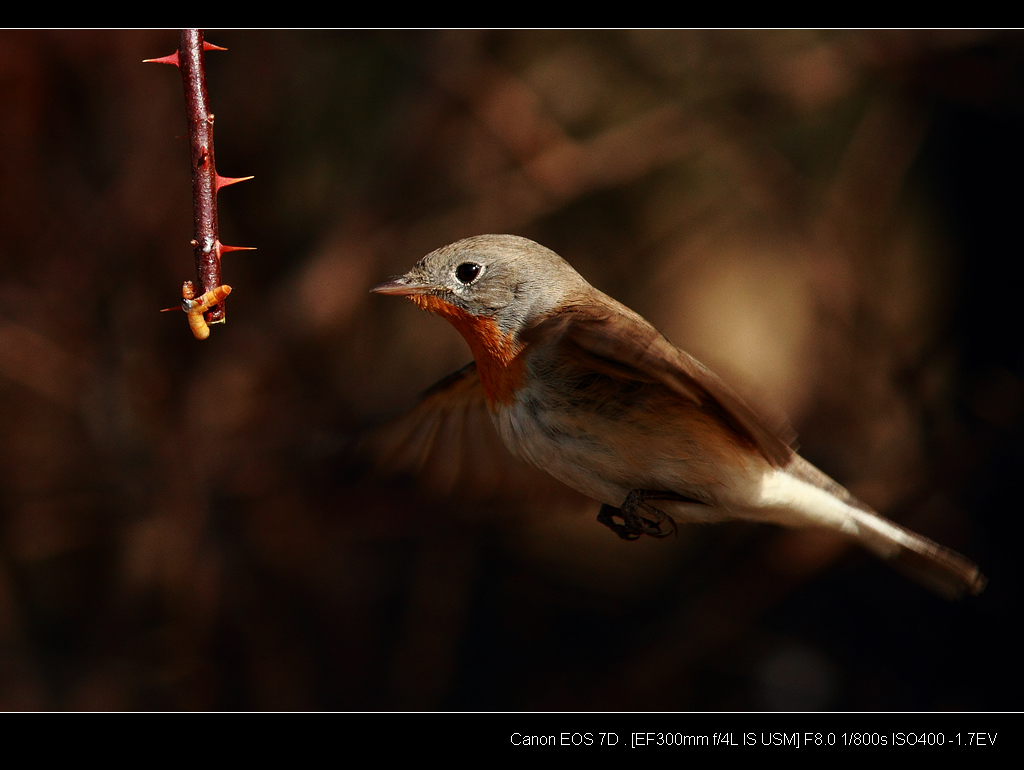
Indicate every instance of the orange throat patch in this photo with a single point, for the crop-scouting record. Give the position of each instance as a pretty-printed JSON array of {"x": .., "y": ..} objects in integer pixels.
[{"x": 498, "y": 356}]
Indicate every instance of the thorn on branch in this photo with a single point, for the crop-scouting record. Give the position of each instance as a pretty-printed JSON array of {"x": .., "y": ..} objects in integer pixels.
[
  {"x": 225, "y": 181},
  {"x": 175, "y": 58},
  {"x": 223, "y": 248},
  {"x": 171, "y": 58}
]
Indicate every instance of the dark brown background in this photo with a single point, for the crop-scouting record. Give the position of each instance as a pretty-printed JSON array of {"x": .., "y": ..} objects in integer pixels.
[{"x": 830, "y": 220}]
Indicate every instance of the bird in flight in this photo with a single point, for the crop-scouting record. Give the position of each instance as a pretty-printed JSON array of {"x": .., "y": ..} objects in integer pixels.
[{"x": 579, "y": 386}]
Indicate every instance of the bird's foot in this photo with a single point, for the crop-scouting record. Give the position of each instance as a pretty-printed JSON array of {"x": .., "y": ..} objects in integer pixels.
[{"x": 638, "y": 517}]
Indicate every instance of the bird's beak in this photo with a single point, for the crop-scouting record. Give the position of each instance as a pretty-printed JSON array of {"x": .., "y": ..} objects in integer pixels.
[{"x": 401, "y": 286}]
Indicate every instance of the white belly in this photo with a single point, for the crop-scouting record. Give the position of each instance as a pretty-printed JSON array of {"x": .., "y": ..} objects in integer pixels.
[{"x": 606, "y": 459}]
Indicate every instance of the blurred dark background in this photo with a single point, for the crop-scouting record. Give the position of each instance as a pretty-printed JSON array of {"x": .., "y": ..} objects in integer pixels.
[{"x": 831, "y": 220}]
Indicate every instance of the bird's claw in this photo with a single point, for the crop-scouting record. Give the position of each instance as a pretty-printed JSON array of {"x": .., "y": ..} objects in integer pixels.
[{"x": 652, "y": 521}]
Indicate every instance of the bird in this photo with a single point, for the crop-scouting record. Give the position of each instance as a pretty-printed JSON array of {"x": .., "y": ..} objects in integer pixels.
[{"x": 586, "y": 390}]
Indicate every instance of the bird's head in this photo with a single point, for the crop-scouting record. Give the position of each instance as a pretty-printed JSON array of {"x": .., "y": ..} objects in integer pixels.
[{"x": 502, "y": 282}]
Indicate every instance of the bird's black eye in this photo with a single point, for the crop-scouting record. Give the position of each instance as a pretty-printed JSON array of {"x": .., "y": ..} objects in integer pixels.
[{"x": 467, "y": 272}]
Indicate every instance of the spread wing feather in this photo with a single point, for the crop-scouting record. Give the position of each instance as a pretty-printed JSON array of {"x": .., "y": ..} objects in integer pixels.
[{"x": 448, "y": 443}]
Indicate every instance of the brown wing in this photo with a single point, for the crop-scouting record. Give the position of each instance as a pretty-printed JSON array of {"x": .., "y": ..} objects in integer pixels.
[
  {"x": 449, "y": 445},
  {"x": 618, "y": 342}
]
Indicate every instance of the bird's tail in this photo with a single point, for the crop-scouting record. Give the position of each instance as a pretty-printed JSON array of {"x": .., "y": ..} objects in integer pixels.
[
  {"x": 944, "y": 571},
  {"x": 801, "y": 495}
]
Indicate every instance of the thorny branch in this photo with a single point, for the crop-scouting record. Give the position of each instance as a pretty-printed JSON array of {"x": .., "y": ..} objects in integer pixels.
[{"x": 190, "y": 59}]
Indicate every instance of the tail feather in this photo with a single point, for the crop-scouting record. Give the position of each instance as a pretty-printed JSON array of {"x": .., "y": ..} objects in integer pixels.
[
  {"x": 801, "y": 495},
  {"x": 944, "y": 571}
]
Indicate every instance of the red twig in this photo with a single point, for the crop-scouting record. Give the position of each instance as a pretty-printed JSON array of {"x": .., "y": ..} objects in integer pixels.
[{"x": 206, "y": 245}]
